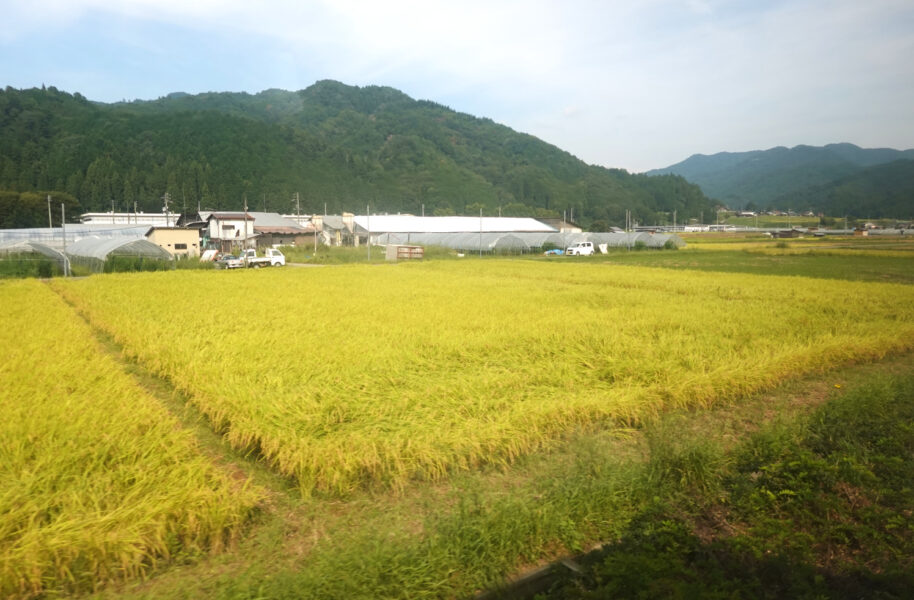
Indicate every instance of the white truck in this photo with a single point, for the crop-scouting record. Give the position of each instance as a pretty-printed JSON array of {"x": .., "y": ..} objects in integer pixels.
[
  {"x": 580, "y": 249},
  {"x": 271, "y": 258}
]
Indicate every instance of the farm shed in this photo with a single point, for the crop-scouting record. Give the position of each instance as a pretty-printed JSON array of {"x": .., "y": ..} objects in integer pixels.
[
  {"x": 272, "y": 229},
  {"x": 178, "y": 241},
  {"x": 114, "y": 254}
]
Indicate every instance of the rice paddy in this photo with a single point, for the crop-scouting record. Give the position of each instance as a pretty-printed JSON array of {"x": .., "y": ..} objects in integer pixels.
[
  {"x": 366, "y": 381},
  {"x": 98, "y": 483},
  {"x": 368, "y": 377}
]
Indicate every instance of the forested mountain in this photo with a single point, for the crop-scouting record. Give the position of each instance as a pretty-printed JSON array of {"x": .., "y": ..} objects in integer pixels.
[
  {"x": 340, "y": 146},
  {"x": 778, "y": 177},
  {"x": 882, "y": 191}
]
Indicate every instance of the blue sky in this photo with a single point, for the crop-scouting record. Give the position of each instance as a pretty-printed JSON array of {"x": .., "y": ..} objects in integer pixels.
[{"x": 628, "y": 84}]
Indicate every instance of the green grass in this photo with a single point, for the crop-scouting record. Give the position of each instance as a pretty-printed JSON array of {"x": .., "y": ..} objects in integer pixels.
[
  {"x": 819, "y": 508},
  {"x": 20, "y": 265},
  {"x": 890, "y": 269}
]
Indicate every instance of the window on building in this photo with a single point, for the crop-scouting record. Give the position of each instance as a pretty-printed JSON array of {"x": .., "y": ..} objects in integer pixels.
[{"x": 180, "y": 246}]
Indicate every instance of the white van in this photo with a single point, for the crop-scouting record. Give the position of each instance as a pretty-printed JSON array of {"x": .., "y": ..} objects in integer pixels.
[{"x": 580, "y": 249}]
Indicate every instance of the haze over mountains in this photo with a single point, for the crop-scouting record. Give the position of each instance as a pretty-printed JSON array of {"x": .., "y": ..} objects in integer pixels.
[
  {"x": 836, "y": 179},
  {"x": 338, "y": 146}
]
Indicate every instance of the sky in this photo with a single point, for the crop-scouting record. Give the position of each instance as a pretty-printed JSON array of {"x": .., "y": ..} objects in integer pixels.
[{"x": 633, "y": 84}]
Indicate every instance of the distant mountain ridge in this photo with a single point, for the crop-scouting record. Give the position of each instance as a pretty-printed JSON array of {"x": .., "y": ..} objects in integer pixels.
[
  {"x": 340, "y": 147},
  {"x": 779, "y": 176},
  {"x": 881, "y": 191}
]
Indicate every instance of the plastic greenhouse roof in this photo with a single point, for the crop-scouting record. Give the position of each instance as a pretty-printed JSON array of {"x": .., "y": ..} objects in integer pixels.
[
  {"x": 524, "y": 240},
  {"x": 52, "y": 236},
  {"x": 414, "y": 224},
  {"x": 100, "y": 248},
  {"x": 26, "y": 246}
]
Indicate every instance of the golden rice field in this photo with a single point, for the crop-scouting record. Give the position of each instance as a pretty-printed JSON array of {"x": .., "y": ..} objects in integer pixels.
[
  {"x": 371, "y": 376},
  {"x": 97, "y": 481}
]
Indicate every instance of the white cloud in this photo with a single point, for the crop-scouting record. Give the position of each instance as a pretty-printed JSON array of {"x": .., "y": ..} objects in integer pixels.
[{"x": 622, "y": 83}]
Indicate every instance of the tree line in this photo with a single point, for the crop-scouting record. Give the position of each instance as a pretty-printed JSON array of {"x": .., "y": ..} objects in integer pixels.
[{"x": 338, "y": 147}]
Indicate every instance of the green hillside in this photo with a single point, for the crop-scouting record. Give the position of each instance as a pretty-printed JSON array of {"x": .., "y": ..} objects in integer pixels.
[
  {"x": 881, "y": 191},
  {"x": 340, "y": 146},
  {"x": 776, "y": 177}
]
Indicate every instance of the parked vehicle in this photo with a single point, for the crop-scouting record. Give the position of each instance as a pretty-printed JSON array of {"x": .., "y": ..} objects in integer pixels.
[
  {"x": 580, "y": 249},
  {"x": 229, "y": 261},
  {"x": 271, "y": 258}
]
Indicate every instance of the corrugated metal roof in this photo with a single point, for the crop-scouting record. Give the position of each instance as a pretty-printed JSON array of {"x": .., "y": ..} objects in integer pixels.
[
  {"x": 414, "y": 224},
  {"x": 270, "y": 220},
  {"x": 229, "y": 216}
]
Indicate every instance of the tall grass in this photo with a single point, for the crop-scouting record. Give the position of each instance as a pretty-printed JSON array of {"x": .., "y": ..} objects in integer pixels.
[
  {"x": 97, "y": 480},
  {"x": 367, "y": 376}
]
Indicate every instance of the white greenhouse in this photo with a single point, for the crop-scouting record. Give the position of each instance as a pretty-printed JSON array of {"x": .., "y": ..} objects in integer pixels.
[{"x": 118, "y": 253}]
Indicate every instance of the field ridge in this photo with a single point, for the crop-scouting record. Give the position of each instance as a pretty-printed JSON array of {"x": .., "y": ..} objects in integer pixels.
[{"x": 241, "y": 464}]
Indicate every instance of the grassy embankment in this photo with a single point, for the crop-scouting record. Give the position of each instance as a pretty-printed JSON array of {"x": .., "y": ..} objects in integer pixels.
[{"x": 817, "y": 507}]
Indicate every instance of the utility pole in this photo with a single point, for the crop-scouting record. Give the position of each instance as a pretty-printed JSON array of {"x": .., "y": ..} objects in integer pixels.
[
  {"x": 564, "y": 229},
  {"x": 245, "y": 224},
  {"x": 50, "y": 225},
  {"x": 63, "y": 233},
  {"x": 368, "y": 226},
  {"x": 480, "y": 233},
  {"x": 167, "y": 199}
]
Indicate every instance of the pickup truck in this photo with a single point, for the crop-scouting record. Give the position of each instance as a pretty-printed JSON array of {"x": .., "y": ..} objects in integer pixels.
[
  {"x": 580, "y": 249},
  {"x": 272, "y": 258}
]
